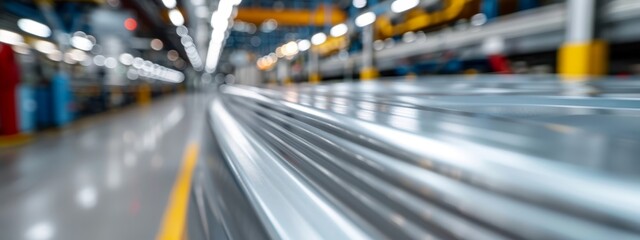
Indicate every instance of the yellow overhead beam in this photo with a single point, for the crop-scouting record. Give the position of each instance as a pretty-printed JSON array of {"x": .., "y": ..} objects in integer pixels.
[
  {"x": 418, "y": 19},
  {"x": 293, "y": 17},
  {"x": 331, "y": 45}
]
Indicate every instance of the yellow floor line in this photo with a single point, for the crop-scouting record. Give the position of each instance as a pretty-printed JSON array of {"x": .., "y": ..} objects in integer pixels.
[
  {"x": 174, "y": 222},
  {"x": 14, "y": 140}
]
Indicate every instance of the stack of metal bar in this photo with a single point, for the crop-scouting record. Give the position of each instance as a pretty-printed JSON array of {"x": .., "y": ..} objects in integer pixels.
[{"x": 439, "y": 158}]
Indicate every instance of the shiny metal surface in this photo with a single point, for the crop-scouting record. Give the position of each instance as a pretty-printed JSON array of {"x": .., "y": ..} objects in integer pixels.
[
  {"x": 437, "y": 158},
  {"x": 103, "y": 178}
]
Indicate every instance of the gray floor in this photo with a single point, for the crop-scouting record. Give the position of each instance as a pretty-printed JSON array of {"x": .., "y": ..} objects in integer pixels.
[{"x": 108, "y": 177}]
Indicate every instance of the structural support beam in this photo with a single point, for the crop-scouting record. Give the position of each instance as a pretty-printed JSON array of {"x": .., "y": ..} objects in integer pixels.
[
  {"x": 582, "y": 54},
  {"x": 368, "y": 71},
  {"x": 314, "y": 67},
  {"x": 293, "y": 17}
]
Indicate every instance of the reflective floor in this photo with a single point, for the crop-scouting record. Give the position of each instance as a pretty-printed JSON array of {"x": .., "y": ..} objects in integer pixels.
[{"x": 107, "y": 177}]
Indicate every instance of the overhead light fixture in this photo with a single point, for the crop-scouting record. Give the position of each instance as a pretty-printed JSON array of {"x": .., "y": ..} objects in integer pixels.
[
  {"x": 45, "y": 47},
  {"x": 339, "y": 30},
  {"x": 365, "y": 19},
  {"x": 81, "y": 43},
  {"x": 176, "y": 17},
  {"x": 77, "y": 55},
  {"x": 403, "y": 5},
  {"x": 10, "y": 38},
  {"x": 35, "y": 28},
  {"x": 169, "y": 3},
  {"x": 290, "y": 49},
  {"x": 130, "y": 24},
  {"x": 359, "y": 3},
  {"x": 156, "y": 44},
  {"x": 55, "y": 56},
  {"x": 126, "y": 59},
  {"x": 218, "y": 35},
  {"x": 318, "y": 38},
  {"x": 304, "y": 45}
]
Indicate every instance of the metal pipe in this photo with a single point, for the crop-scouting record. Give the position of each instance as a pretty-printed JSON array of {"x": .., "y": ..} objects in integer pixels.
[{"x": 581, "y": 20}]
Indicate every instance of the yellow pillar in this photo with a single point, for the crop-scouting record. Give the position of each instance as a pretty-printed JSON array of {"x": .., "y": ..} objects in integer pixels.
[
  {"x": 370, "y": 73},
  {"x": 287, "y": 81},
  {"x": 144, "y": 94},
  {"x": 315, "y": 78},
  {"x": 583, "y": 59}
]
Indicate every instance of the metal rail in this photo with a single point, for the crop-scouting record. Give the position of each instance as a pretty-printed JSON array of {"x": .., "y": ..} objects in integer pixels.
[{"x": 416, "y": 160}]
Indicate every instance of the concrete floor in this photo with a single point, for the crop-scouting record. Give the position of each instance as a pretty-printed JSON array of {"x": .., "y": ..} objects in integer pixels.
[{"x": 106, "y": 177}]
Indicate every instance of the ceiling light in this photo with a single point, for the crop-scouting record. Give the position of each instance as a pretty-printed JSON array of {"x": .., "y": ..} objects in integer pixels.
[
  {"x": 176, "y": 17},
  {"x": 126, "y": 59},
  {"x": 403, "y": 5},
  {"x": 45, "y": 47},
  {"x": 81, "y": 43},
  {"x": 318, "y": 38},
  {"x": 34, "y": 28},
  {"x": 365, "y": 19},
  {"x": 156, "y": 44},
  {"x": 55, "y": 56},
  {"x": 339, "y": 30},
  {"x": 169, "y": 3},
  {"x": 11, "y": 38},
  {"x": 304, "y": 45},
  {"x": 359, "y": 3}
]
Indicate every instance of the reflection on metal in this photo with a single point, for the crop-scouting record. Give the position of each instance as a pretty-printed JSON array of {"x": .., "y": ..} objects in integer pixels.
[{"x": 470, "y": 158}]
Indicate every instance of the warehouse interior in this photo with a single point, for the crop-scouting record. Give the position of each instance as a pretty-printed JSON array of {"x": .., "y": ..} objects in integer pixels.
[{"x": 319, "y": 119}]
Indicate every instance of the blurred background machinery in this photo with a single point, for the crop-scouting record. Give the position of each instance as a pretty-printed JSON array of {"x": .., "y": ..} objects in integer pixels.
[{"x": 77, "y": 58}]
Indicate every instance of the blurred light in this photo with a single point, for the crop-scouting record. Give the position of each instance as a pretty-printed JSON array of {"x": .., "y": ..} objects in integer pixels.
[
  {"x": 290, "y": 49},
  {"x": 87, "y": 62},
  {"x": 156, "y": 44},
  {"x": 409, "y": 37},
  {"x": 478, "y": 19},
  {"x": 81, "y": 43},
  {"x": 359, "y": 3},
  {"x": 279, "y": 52},
  {"x": 318, "y": 38},
  {"x": 493, "y": 45},
  {"x": 126, "y": 59},
  {"x": 132, "y": 74},
  {"x": 269, "y": 26},
  {"x": 197, "y": 2},
  {"x": 87, "y": 197},
  {"x": 44, "y": 46},
  {"x": 220, "y": 23},
  {"x": 55, "y": 56},
  {"x": 173, "y": 55},
  {"x": 130, "y": 24},
  {"x": 182, "y": 31},
  {"x": 339, "y": 30},
  {"x": 403, "y": 5},
  {"x": 169, "y": 3},
  {"x": 98, "y": 60},
  {"x": 304, "y": 45},
  {"x": 365, "y": 19},
  {"x": 40, "y": 231},
  {"x": 34, "y": 28},
  {"x": 176, "y": 17},
  {"x": 21, "y": 48},
  {"x": 77, "y": 55},
  {"x": 11, "y": 38},
  {"x": 110, "y": 62},
  {"x": 138, "y": 62}
]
